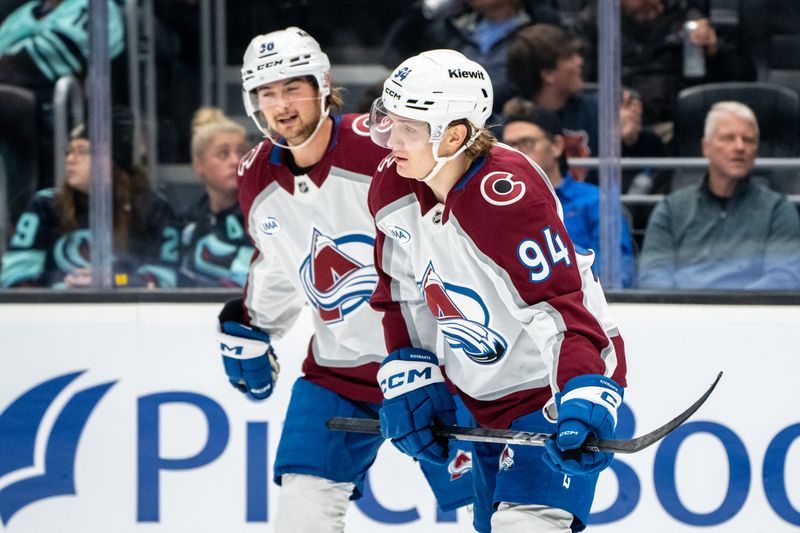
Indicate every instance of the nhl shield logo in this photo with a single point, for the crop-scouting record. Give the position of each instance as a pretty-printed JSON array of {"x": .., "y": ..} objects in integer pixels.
[{"x": 338, "y": 274}]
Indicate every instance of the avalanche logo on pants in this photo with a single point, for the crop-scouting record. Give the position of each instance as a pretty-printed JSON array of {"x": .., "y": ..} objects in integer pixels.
[
  {"x": 338, "y": 274},
  {"x": 456, "y": 322},
  {"x": 506, "y": 459},
  {"x": 460, "y": 465}
]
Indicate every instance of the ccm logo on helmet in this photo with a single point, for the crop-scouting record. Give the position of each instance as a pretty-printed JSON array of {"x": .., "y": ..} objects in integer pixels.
[
  {"x": 460, "y": 73},
  {"x": 268, "y": 65},
  {"x": 391, "y": 93},
  {"x": 498, "y": 188}
]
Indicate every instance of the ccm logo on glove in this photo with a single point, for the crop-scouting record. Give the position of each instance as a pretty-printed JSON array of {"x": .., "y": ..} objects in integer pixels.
[
  {"x": 420, "y": 376},
  {"x": 399, "y": 377}
]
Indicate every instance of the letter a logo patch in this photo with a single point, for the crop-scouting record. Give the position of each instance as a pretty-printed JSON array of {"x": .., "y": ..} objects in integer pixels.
[{"x": 338, "y": 274}]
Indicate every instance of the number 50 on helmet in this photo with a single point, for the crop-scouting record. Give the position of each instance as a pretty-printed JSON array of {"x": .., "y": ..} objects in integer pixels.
[{"x": 281, "y": 55}]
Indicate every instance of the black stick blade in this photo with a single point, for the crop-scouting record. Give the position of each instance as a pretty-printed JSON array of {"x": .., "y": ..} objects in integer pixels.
[{"x": 640, "y": 443}]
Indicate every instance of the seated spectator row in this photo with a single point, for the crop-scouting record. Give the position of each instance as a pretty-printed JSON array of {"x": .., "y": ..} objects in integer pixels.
[
  {"x": 205, "y": 247},
  {"x": 726, "y": 232},
  {"x": 538, "y": 61}
]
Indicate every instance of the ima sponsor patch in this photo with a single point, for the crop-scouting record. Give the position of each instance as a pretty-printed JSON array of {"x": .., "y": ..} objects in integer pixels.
[
  {"x": 269, "y": 226},
  {"x": 401, "y": 235}
]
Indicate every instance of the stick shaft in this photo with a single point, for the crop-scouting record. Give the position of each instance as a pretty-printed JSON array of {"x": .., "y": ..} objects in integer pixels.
[{"x": 527, "y": 438}]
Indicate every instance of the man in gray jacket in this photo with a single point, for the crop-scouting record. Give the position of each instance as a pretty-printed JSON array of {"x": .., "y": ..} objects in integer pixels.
[{"x": 728, "y": 232}]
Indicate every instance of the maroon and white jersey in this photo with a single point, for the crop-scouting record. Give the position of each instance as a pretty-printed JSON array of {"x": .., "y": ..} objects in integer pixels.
[
  {"x": 314, "y": 239},
  {"x": 491, "y": 282}
]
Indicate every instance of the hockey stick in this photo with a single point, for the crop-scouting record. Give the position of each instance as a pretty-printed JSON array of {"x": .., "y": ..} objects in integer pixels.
[{"x": 507, "y": 436}]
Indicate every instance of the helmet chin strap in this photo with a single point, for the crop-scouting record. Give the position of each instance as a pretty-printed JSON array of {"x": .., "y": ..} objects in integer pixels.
[
  {"x": 323, "y": 114},
  {"x": 442, "y": 161}
]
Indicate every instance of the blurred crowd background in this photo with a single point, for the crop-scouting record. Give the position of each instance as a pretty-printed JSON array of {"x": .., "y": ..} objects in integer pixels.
[{"x": 179, "y": 127}]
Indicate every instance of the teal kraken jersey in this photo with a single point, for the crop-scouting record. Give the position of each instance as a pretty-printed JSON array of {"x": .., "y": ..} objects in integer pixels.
[{"x": 58, "y": 41}]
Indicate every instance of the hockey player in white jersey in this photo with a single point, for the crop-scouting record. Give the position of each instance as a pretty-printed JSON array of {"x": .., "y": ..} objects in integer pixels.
[
  {"x": 477, "y": 271},
  {"x": 303, "y": 193}
]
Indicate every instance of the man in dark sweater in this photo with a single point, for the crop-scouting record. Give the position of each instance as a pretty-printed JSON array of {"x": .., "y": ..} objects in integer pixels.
[{"x": 727, "y": 232}]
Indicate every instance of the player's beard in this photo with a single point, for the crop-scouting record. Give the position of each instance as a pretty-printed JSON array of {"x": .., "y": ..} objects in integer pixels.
[
  {"x": 306, "y": 130},
  {"x": 298, "y": 131}
]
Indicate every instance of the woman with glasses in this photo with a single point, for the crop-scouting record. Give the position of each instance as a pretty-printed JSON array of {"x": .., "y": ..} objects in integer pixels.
[{"x": 51, "y": 244}]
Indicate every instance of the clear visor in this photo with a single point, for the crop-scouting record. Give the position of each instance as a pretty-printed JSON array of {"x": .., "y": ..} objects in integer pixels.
[
  {"x": 284, "y": 115},
  {"x": 274, "y": 103},
  {"x": 392, "y": 131}
]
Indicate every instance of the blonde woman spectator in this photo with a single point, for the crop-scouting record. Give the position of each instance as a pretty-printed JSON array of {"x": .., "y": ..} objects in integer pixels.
[{"x": 215, "y": 250}]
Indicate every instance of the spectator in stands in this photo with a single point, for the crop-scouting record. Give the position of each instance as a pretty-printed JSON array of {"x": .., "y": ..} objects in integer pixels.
[
  {"x": 652, "y": 53},
  {"x": 545, "y": 63},
  {"x": 215, "y": 250},
  {"x": 727, "y": 232},
  {"x": 483, "y": 33},
  {"x": 537, "y": 133},
  {"x": 52, "y": 241},
  {"x": 40, "y": 41}
]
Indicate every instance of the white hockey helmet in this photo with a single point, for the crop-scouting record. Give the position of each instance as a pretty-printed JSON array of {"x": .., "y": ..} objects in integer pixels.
[
  {"x": 437, "y": 88},
  {"x": 280, "y": 55}
]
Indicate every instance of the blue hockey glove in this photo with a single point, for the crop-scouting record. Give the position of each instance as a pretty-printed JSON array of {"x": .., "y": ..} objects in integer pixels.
[
  {"x": 587, "y": 406},
  {"x": 415, "y": 397},
  {"x": 247, "y": 355}
]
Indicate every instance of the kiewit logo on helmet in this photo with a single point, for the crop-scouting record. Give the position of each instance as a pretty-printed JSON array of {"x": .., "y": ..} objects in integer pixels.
[
  {"x": 461, "y": 73},
  {"x": 402, "y": 73}
]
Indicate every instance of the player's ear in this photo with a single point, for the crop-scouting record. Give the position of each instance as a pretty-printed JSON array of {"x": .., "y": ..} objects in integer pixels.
[{"x": 455, "y": 136}]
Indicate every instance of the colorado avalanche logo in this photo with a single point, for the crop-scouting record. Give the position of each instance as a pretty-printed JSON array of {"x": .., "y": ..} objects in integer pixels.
[
  {"x": 460, "y": 465},
  {"x": 506, "y": 459},
  {"x": 499, "y": 188},
  {"x": 336, "y": 282},
  {"x": 474, "y": 337},
  {"x": 360, "y": 125}
]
